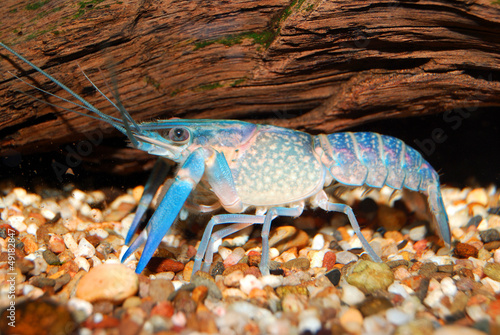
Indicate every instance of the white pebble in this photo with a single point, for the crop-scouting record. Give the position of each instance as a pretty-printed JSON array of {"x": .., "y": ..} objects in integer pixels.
[
  {"x": 86, "y": 210},
  {"x": 85, "y": 249},
  {"x": 99, "y": 232},
  {"x": 249, "y": 282},
  {"x": 433, "y": 298},
  {"x": 448, "y": 287},
  {"x": 80, "y": 306},
  {"x": 70, "y": 243},
  {"x": 224, "y": 252},
  {"x": 317, "y": 259},
  {"x": 476, "y": 313},
  {"x": 397, "y": 288},
  {"x": 309, "y": 321},
  {"x": 128, "y": 198},
  {"x": 179, "y": 319},
  {"x": 397, "y": 316},
  {"x": 82, "y": 263},
  {"x": 27, "y": 289},
  {"x": 96, "y": 261},
  {"x": 344, "y": 257},
  {"x": 271, "y": 280},
  {"x": 79, "y": 195},
  {"x": 318, "y": 242},
  {"x": 273, "y": 253},
  {"x": 17, "y": 222},
  {"x": 48, "y": 214},
  {"x": 496, "y": 256},
  {"x": 495, "y": 286},
  {"x": 98, "y": 317},
  {"x": 351, "y": 295},
  {"x": 32, "y": 229},
  {"x": 417, "y": 233}
]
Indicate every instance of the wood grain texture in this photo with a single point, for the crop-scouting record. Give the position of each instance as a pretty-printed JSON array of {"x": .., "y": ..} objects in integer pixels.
[{"x": 318, "y": 66}]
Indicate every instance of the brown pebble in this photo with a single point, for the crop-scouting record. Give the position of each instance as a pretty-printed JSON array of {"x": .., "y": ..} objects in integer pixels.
[
  {"x": 492, "y": 245},
  {"x": 492, "y": 270},
  {"x": 41, "y": 282},
  {"x": 163, "y": 308},
  {"x": 464, "y": 250},
  {"x": 42, "y": 234},
  {"x": 160, "y": 289},
  {"x": 240, "y": 266},
  {"x": 399, "y": 262},
  {"x": 329, "y": 260},
  {"x": 253, "y": 270},
  {"x": 282, "y": 291},
  {"x": 104, "y": 307},
  {"x": 447, "y": 268},
  {"x": 300, "y": 263},
  {"x": 254, "y": 259},
  {"x": 188, "y": 269},
  {"x": 183, "y": 302},
  {"x": 206, "y": 323},
  {"x": 51, "y": 258},
  {"x": 61, "y": 281},
  {"x": 157, "y": 264},
  {"x": 374, "y": 305},
  {"x": 390, "y": 218},
  {"x": 427, "y": 269},
  {"x": 30, "y": 244},
  {"x": 199, "y": 294},
  {"x": 56, "y": 244}
]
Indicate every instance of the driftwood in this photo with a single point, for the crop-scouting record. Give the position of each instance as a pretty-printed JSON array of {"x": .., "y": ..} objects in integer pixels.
[{"x": 318, "y": 66}]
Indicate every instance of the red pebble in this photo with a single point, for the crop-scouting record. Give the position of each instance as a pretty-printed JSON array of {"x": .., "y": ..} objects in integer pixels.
[
  {"x": 163, "y": 308},
  {"x": 329, "y": 260},
  {"x": 158, "y": 264}
]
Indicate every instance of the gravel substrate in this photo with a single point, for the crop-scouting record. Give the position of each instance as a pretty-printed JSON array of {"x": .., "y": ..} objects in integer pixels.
[{"x": 60, "y": 272}]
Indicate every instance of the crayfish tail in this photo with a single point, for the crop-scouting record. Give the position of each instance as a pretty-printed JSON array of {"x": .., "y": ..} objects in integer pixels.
[{"x": 438, "y": 210}]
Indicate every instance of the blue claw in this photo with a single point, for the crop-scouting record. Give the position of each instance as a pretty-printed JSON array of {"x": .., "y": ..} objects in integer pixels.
[
  {"x": 158, "y": 175},
  {"x": 163, "y": 218}
]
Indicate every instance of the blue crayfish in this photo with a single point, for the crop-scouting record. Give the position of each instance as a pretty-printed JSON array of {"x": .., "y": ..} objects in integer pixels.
[{"x": 276, "y": 171}]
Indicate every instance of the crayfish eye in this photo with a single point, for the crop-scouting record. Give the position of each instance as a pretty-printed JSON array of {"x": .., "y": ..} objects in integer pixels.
[{"x": 178, "y": 134}]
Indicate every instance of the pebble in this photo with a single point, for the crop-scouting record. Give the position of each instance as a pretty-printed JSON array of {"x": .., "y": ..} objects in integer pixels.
[
  {"x": 250, "y": 282},
  {"x": 112, "y": 282},
  {"x": 417, "y": 233},
  {"x": 448, "y": 287},
  {"x": 352, "y": 320},
  {"x": 158, "y": 264},
  {"x": 369, "y": 276},
  {"x": 236, "y": 255},
  {"x": 56, "y": 244},
  {"x": 334, "y": 276},
  {"x": 489, "y": 235},
  {"x": 457, "y": 330},
  {"x": 397, "y": 317},
  {"x": 160, "y": 289},
  {"x": 374, "y": 305},
  {"x": 492, "y": 270},
  {"x": 271, "y": 280},
  {"x": 318, "y": 242},
  {"x": 80, "y": 309},
  {"x": 309, "y": 321},
  {"x": 496, "y": 256},
  {"x": 85, "y": 249},
  {"x": 345, "y": 257},
  {"x": 300, "y": 263},
  {"x": 464, "y": 250},
  {"x": 329, "y": 260},
  {"x": 477, "y": 196},
  {"x": 51, "y": 258},
  {"x": 82, "y": 263},
  {"x": 351, "y": 295},
  {"x": 233, "y": 278}
]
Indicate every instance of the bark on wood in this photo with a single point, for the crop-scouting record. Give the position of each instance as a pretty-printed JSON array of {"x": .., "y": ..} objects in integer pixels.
[{"x": 314, "y": 65}]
